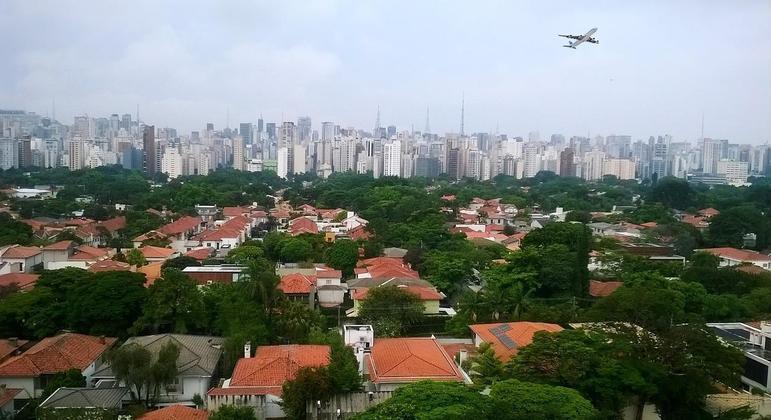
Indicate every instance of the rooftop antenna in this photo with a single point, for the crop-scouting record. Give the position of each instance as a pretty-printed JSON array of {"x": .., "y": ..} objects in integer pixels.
[
  {"x": 462, "y": 112},
  {"x": 227, "y": 117},
  {"x": 428, "y": 126},
  {"x": 702, "y": 125},
  {"x": 137, "y": 114},
  {"x": 53, "y": 109},
  {"x": 377, "y": 120}
]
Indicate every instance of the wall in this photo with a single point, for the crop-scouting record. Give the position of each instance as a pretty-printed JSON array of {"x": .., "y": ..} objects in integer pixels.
[
  {"x": 27, "y": 384},
  {"x": 349, "y": 404}
]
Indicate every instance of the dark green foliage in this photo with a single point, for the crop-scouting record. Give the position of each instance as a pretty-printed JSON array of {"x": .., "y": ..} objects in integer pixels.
[
  {"x": 728, "y": 227},
  {"x": 13, "y": 231},
  {"x": 71, "y": 378},
  {"x": 390, "y": 310},
  {"x": 431, "y": 400},
  {"x": 342, "y": 255},
  {"x": 673, "y": 193},
  {"x": 516, "y": 400},
  {"x": 174, "y": 304},
  {"x": 310, "y": 384},
  {"x": 181, "y": 262},
  {"x": 233, "y": 412}
]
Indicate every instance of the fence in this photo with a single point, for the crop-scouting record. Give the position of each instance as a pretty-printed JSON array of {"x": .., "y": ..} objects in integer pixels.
[{"x": 348, "y": 404}]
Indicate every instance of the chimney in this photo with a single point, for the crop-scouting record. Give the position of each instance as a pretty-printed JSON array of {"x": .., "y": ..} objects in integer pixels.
[
  {"x": 102, "y": 340},
  {"x": 462, "y": 356},
  {"x": 248, "y": 350},
  {"x": 13, "y": 341}
]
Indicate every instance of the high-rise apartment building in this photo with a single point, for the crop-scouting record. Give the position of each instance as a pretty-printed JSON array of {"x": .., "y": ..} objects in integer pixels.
[
  {"x": 238, "y": 153},
  {"x": 148, "y": 149},
  {"x": 392, "y": 158}
]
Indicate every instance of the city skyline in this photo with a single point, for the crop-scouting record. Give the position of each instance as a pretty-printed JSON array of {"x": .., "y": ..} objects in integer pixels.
[{"x": 658, "y": 68}]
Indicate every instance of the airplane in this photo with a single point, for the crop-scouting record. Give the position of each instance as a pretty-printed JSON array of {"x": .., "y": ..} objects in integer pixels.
[{"x": 580, "y": 39}]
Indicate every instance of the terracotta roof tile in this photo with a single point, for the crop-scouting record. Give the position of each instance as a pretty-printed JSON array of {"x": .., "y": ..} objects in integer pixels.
[
  {"x": 297, "y": 283},
  {"x": 200, "y": 254},
  {"x": 22, "y": 280},
  {"x": 271, "y": 366},
  {"x": 176, "y": 412},
  {"x": 108, "y": 265},
  {"x": 181, "y": 225},
  {"x": 156, "y": 252},
  {"x": 8, "y": 394},
  {"x": 85, "y": 252},
  {"x": 60, "y": 246},
  {"x": 18, "y": 251},
  {"x": 56, "y": 354},
  {"x": 737, "y": 254},
  {"x": 113, "y": 225},
  {"x": 234, "y": 211},
  {"x": 521, "y": 333},
  {"x": 302, "y": 225},
  {"x": 603, "y": 288},
  {"x": 6, "y": 348},
  {"x": 399, "y": 360}
]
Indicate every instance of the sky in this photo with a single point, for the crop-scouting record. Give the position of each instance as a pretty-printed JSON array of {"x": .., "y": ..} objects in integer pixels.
[{"x": 659, "y": 67}]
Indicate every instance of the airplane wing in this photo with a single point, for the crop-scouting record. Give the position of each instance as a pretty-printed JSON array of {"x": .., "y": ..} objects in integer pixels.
[
  {"x": 590, "y": 33},
  {"x": 584, "y": 38},
  {"x": 571, "y": 36}
]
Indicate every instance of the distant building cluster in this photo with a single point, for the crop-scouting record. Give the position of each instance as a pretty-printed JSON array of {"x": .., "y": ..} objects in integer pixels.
[{"x": 288, "y": 148}]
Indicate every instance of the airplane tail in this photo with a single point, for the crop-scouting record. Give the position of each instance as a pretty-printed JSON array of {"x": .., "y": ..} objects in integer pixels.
[{"x": 570, "y": 45}]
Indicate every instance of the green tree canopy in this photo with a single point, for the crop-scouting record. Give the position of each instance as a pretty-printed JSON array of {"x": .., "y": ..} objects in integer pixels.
[
  {"x": 391, "y": 310},
  {"x": 343, "y": 255},
  {"x": 174, "y": 304},
  {"x": 517, "y": 400}
]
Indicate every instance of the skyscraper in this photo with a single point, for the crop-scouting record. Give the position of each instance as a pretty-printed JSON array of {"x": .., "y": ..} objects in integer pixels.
[
  {"x": 238, "y": 153},
  {"x": 710, "y": 155},
  {"x": 327, "y": 131},
  {"x": 77, "y": 154},
  {"x": 453, "y": 164},
  {"x": 567, "y": 166},
  {"x": 392, "y": 158},
  {"x": 9, "y": 153},
  {"x": 304, "y": 129},
  {"x": 148, "y": 150},
  {"x": 245, "y": 131}
]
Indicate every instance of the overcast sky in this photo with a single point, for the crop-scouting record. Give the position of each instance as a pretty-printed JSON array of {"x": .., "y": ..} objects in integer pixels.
[{"x": 658, "y": 67}]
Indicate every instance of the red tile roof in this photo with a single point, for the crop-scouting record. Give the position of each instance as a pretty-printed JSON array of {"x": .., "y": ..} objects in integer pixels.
[
  {"x": 424, "y": 293},
  {"x": 200, "y": 254},
  {"x": 709, "y": 212},
  {"x": 603, "y": 288},
  {"x": 6, "y": 348},
  {"x": 8, "y": 394},
  {"x": 750, "y": 269},
  {"x": 56, "y": 354},
  {"x": 22, "y": 252},
  {"x": 329, "y": 274},
  {"x": 85, "y": 252},
  {"x": 521, "y": 333},
  {"x": 297, "y": 283},
  {"x": 59, "y": 246},
  {"x": 218, "y": 235},
  {"x": 113, "y": 225},
  {"x": 271, "y": 366},
  {"x": 151, "y": 271},
  {"x": 737, "y": 254},
  {"x": 359, "y": 233},
  {"x": 156, "y": 252},
  {"x": 399, "y": 360},
  {"x": 108, "y": 265},
  {"x": 234, "y": 211},
  {"x": 181, "y": 225},
  {"x": 22, "y": 280},
  {"x": 302, "y": 225},
  {"x": 176, "y": 412}
]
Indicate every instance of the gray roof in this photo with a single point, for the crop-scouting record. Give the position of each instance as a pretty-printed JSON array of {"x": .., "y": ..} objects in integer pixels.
[
  {"x": 376, "y": 282},
  {"x": 394, "y": 252},
  {"x": 198, "y": 354},
  {"x": 107, "y": 398}
]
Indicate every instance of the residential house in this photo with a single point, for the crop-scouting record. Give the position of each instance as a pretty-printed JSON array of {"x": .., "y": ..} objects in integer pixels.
[
  {"x": 395, "y": 362},
  {"x": 21, "y": 259},
  {"x": 428, "y": 295},
  {"x": 94, "y": 402},
  {"x": 299, "y": 287},
  {"x": 108, "y": 265},
  {"x": 153, "y": 235},
  {"x": 201, "y": 254},
  {"x": 207, "y": 274},
  {"x": 196, "y": 364},
  {"x": 754, "y": 339},
  {"x": 302, "y": 225},
  {"x": 32, "y": 369},
  {"x": 180, "y": 230},
  {"x": 64, "y": 254},
  {"x": 506, "y": 338},
  {"x": 59, "y": 251},
  {"x": 257, "y": 381},
  {"x": 730, "y": 257},
  {"x": 175, "y": 412}
]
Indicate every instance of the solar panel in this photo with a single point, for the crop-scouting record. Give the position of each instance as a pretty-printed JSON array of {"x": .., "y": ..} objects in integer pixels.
[
  {"x": 507, "y": 341},
  {"x": 500, "y": 333}
]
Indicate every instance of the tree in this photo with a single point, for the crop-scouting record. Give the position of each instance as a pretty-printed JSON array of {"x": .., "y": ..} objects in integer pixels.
[
  {"x": 71, "y": 378},
  {"x": 343, "y": 366},
  {"x": 296, "y": 320},
  {"x": 13, "y": 231},
  {"x": 586, "y": 360},
  {"x": 131, "y": 365},
  {"x": 181, "y": 262},
  {"x": 310, "y": 384},
  {"x": 233, "y": 412},
  {"x": 342, "y": 255},
  {"x": 673, "y": 193},
  {"x": 106, "y": 303},
  {"x": 486, "y": 367},
  {"x": 136, "y": 258},
  {"x": 729, "y": 227},
  {"x": 516, "y": 400},
  {"x": 448, "y": 271},
  {"x": 295, "y": 250},
  {"x": 578, "y": 216},
  {"x": 174, "y": 304},
  {"x": 245, "y": 254},
  {"x": 390, "y": 309},
  {"x": 576, "y": 238},
  {"x": 431, "y": 400}
]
